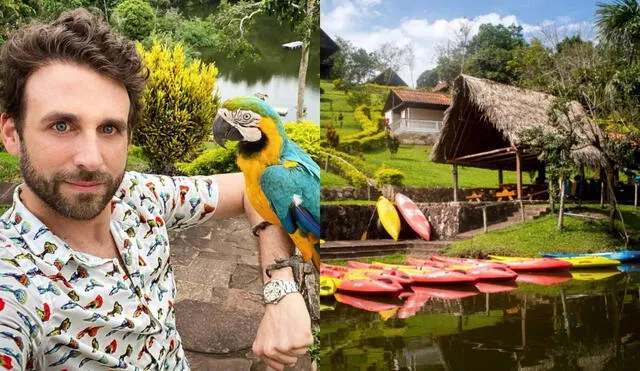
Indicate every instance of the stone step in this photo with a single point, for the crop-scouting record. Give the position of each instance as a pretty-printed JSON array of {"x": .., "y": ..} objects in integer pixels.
[{"x": 367, "y": 248}]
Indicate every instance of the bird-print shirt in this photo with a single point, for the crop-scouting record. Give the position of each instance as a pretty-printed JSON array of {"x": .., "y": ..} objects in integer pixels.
[{"x": 63, "y": 310}]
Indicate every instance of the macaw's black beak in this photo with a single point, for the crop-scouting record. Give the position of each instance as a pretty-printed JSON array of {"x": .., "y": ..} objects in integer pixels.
[{"x": 223, "y": 131}]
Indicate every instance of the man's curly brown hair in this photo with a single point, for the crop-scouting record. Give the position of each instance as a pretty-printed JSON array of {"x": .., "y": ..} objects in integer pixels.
[{"x": 77, "y": 37}]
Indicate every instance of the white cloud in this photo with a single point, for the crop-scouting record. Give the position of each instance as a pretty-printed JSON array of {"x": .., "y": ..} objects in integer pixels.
[{"x": 355, "y": 21}]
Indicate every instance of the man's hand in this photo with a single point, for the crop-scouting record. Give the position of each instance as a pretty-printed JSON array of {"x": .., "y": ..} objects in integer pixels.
[{"x": 284, "y": 333}]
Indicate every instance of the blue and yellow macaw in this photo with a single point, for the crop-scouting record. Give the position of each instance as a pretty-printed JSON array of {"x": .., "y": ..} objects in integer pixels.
[{"x": 282, "y": 181}]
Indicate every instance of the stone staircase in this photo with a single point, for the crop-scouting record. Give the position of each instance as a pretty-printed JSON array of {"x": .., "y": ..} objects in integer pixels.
[
  {"x": 531, "y": 212},
  {"x": 369, "y": 248}
]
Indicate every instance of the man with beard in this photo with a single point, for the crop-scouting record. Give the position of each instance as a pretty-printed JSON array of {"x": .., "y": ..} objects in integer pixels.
[{"x": 85, "y": 277}]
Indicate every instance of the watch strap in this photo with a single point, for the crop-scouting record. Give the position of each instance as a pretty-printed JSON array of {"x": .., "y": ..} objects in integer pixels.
[{"x": 285, "y": 288}]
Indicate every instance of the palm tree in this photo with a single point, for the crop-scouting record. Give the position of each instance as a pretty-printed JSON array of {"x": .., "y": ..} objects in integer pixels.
[{"x": 619, "y": 25}]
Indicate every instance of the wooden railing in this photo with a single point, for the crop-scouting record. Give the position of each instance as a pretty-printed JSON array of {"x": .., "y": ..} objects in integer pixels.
[{"x": 415, "y": 126}]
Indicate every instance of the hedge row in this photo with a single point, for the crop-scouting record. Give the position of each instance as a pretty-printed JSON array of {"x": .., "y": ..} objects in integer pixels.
[
  {"x": 344, "y": 168},
  {"x": 370, "y": 137}
]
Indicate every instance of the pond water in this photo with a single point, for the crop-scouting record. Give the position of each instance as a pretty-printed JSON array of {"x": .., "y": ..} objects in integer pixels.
[
  {"x": 276, "y": 73},
  {"x": 540, "y": 322}
]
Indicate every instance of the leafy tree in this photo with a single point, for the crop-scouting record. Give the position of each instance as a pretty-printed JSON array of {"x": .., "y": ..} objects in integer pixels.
[
  {"x": 532, "y": 66},
  {"x": 491, "y": 50},
  {"x": 14, "y": 13},
  {"x": 619, "y": 25},
  {"x": 233, "y": 20},
  {"x": 557, "y": 145},
  {"x": 179, "y": 107},
  {"x": 134, "y": 19},
  {"x": 491, "y": 36},
  {"x": 357, "y": 98},
  {"x": 353, "y": 65},
  {"x": 428, "y": 79}
]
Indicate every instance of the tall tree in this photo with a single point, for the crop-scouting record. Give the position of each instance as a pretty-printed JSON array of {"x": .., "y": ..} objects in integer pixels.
[
  {"x": 428, "y": 79},
  {"x": 491, "y": 49},
  {"x": 619, "y": 25},
  {"x": 235, "y": 19}
]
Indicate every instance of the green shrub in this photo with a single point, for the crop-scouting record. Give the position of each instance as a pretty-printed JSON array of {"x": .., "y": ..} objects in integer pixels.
[
  {"x": 369, "y": 138},
  {"x": 356, "y": 98},
  {"x": 333, "y": 138},
  {"x": 213, "y": 161},
  {"x": 306, "y": 134},
  {"x": 386, "y": 175},
  {"x": 178, "y": 108},
  {"x": 343, "y": 168},
  {"x": 134, "y": 19}
]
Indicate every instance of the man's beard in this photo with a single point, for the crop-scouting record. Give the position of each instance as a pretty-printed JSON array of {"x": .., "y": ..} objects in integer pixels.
[{"x": 82, "y": 206}]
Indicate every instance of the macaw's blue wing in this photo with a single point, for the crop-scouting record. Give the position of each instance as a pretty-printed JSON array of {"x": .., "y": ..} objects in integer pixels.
[
  {"x": 294, "y": 194},
  {"x": 303, "y": 218}
]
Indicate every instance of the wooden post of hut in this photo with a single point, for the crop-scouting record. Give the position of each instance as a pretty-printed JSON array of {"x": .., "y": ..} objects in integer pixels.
[
  {"x": 500, "y": 178},
  {"x": 454, "y": 172},
  {"x": 519, "y": 173}
]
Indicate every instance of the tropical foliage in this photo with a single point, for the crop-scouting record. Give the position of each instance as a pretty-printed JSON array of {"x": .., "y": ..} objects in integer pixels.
[{"x": 179, "y": 107}]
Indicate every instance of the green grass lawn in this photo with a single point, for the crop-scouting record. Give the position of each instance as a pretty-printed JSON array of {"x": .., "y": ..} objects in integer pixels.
[
  {"x": 419, "y": 171},
  {"x": 330, "y": 179},
  {"x": 9, "y": 168},
  {"x": 332, "y": 103},
  {"x": 413, "y": 161},
  {"x": 541, "y": 235}
]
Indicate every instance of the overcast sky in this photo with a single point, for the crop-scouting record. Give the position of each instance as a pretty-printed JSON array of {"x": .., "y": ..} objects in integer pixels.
[{"x": 426, "y": 24}]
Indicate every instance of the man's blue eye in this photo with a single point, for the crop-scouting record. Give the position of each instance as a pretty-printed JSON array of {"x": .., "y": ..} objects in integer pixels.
[
  {"x": 61, "y": 126},
  {"x": 108, "y": 129}
]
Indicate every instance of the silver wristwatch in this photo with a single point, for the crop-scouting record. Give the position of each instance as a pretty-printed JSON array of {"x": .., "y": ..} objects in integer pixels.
[{"x": 275, "y": 290}]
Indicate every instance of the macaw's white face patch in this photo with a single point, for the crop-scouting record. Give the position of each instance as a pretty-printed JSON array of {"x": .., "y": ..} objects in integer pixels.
[{"x": 246, "y": 122}]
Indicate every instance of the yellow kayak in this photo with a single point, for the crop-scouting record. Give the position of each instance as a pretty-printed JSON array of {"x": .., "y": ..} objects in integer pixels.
[
  {"x": 389, "y": 217},
  {"x": 593, "y": 276},
  {"x": 327, "y": 286},
  {"x": 576, "y": 262},
  {"x": 590, "y": 261}
]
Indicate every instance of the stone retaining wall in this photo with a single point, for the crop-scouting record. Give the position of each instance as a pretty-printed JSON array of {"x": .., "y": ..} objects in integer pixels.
[
  {"x": 348, "y": 222},
  {"x": 417, "y": 194}
]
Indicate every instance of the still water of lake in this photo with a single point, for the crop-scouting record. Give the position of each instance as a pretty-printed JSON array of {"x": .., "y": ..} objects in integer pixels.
[
  {"x": 588, "y": 321},
  {"x": 276, "y": 73}
]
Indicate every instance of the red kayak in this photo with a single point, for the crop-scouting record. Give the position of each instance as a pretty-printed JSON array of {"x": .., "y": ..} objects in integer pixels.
[
  {"x": 522, "y": 265},
  {"x": 545, "y": 279},
  {"x": 413, "y": 215},
  {"x": 359, "y": 283},
  {"x": 465, "y": 261},
  {"x": 483, "y": 272},
  {"x": 397, "y": 276},
  {"x": 493, "y": 288},
  {"x": 425, "y": 275},
  {"x": 441, "y": 293},
  {"x": 413, "y": 304},
  {"x": 365, "y": 304}
]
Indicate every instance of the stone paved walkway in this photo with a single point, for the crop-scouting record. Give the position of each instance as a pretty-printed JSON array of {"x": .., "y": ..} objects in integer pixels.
[{"x": 219, "y": 306}]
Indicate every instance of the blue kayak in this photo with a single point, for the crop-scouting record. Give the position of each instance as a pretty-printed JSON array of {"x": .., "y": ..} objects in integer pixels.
[
  {"x": 623, "y": 256},
  {"x": 629, "y": 268}
]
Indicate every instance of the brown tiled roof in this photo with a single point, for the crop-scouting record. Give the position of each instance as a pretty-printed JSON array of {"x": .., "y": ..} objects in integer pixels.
[
  {"x": 441, "y": 86},
  {"x": 419, "y": 96}
]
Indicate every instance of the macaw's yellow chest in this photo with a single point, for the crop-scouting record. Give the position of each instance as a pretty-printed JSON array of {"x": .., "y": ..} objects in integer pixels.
[
  {"x": 253, "y": 165},
  {"x": 258, "y": 199}
]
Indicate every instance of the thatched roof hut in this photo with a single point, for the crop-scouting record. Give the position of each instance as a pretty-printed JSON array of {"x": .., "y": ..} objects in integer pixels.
[
  {"x": 389, "y": 77},
  {"x": 483, "y": 127}
]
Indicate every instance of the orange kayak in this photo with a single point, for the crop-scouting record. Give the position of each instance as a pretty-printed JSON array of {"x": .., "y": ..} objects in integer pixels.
[
  {"x": 483, "y": 272},
  {"x": 425, "y": 275}
]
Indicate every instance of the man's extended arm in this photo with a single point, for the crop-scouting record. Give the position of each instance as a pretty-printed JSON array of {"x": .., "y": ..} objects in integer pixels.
[{"x": 285, "y": 330}]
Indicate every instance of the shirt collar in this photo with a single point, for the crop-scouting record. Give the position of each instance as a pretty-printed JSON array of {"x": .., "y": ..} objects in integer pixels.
[{"x": 28, "y": 232}]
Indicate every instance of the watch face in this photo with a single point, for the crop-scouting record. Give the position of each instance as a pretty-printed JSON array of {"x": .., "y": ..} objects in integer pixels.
[{"x": 271, "y": 292}]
